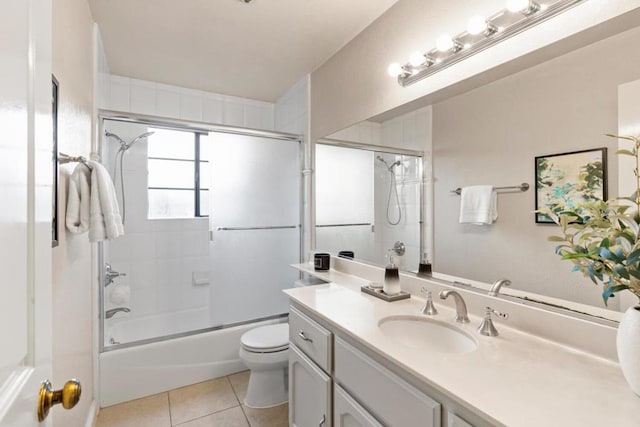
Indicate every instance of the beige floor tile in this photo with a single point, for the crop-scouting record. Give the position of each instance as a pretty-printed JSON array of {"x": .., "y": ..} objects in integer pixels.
[
  {"x": 239, "y": 382},
  {"x": 233, "y": 417},
  {"x": 198, "y": 400},
  {"x": 152, "y": 411},
  {"x": 278, "y": 416}
]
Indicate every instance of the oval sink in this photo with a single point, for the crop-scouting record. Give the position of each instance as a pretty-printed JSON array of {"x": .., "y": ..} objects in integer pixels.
[{"x": 427, "y": 334}]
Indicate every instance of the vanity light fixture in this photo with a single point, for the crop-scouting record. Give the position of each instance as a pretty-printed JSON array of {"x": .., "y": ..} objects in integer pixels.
[{"x": 481, "y": 33}]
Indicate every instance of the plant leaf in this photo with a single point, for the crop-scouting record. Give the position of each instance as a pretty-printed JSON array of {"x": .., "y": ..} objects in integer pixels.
[
  {"x": 633, "y": 257},
  {"x": 621, "y": 271},
  {"x": 610, "y": 290}
]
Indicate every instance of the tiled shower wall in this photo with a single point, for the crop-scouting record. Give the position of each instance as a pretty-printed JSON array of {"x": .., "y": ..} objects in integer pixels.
[{"x": 161, "y": 100}]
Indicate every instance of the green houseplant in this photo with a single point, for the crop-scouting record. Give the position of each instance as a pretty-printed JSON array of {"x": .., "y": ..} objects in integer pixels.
[{"x": 602, "y": 240}]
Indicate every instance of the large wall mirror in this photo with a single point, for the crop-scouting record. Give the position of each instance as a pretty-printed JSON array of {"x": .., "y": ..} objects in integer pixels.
[{"x": 491, "y": 135}]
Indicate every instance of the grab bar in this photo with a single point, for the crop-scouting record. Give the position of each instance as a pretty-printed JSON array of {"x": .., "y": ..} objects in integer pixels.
[
  {"x": 276, "y": 227},
  {"x": 344, "y": 225}
]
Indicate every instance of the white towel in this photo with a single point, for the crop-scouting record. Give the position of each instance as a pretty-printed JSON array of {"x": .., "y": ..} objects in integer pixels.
[
  {"x": 78, "y": 200},
  {"x": 478, "y": 205},
  {"x": 105, "y": 222}
]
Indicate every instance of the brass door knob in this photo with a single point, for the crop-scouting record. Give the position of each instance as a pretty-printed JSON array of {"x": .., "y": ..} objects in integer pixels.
[{"x": 69, "y": 396}]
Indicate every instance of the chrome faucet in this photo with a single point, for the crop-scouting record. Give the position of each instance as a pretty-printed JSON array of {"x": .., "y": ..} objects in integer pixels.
[
  {"x": 109, "y": 313},
  {"x": 109, "y": 274},
  {"x": 461, "y": 307},
  {"x": 495, "y": 288}
]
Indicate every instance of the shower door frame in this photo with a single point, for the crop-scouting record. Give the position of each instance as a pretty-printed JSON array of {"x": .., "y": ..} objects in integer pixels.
[{"x": 191, "y": 126}]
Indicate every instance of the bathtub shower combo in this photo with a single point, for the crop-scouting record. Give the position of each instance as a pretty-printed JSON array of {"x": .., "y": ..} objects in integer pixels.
[{"x": 213, "y": 219}]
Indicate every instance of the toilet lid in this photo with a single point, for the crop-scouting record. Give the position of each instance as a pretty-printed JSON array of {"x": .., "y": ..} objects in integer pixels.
[{"x": 270, "y": 337}]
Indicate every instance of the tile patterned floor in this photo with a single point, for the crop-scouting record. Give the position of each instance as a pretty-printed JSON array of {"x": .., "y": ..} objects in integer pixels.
[{"x": 216, "y": 403}]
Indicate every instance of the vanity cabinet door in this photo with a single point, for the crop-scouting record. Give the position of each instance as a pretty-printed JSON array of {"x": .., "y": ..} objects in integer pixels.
[
  {"x": 348, "y": 413},
  {"x": 309, "y": 392},
  {"x": 388, "y": 397},
  {"x": 455, "y": 421}
]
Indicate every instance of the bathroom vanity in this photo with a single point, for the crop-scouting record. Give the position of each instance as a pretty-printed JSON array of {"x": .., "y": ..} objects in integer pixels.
[{"x": 347, "y": 368}]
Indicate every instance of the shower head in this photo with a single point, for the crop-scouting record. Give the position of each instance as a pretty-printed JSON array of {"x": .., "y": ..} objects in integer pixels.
[
  {"x": 138, "y": 138},
  {"x": 113, "y": 135}
]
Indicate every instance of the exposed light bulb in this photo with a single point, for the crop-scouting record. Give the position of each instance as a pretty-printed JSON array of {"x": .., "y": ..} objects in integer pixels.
[
  {"x": 518, "y": 5},
  {"x": 395, "y": 69},
  {"x": 444, "y": 43},
  {"x": 477, "y": 25},
  {"x": 417, "y": 59}
]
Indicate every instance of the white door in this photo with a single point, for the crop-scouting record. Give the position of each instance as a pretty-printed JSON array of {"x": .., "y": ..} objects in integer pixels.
[{"x": 25, "y": 208}]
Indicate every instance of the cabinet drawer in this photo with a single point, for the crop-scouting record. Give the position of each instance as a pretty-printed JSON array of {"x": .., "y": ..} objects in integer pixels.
[
  {"x": 391, "y": 400},
  {"x": 311, "y": 338}
]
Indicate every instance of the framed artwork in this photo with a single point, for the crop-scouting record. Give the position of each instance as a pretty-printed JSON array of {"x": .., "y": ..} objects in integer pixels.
[
  {"x": 54, "y": 127},
  {"x": 565, "y": 180}
]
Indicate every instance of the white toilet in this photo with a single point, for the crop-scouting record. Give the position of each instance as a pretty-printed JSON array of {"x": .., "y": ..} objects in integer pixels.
[{"x": 265, "y": 351}]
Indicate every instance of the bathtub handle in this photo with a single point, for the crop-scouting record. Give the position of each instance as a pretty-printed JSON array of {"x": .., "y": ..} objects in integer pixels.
[
  {"x": 305, "y": 338},
  {"x": 322, "y": 421}
]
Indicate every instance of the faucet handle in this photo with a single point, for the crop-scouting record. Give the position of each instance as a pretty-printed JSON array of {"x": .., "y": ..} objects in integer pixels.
[
  {"x": 486, "y": 327},
  {"x": 429, "y": 309}
]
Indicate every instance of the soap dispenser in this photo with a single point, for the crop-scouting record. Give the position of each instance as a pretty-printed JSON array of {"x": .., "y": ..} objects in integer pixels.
[
  {"x": 424, "y": 268},
  {"x": 391, "y": 284}
]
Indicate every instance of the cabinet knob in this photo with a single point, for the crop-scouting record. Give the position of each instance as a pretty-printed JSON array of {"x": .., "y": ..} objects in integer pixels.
[
  {"x": 304, "y": 338},
  {"x": 322, "y": 421}
]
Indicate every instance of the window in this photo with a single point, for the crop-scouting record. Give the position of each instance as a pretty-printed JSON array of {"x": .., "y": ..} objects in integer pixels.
[{"x": 178, "y": 181}]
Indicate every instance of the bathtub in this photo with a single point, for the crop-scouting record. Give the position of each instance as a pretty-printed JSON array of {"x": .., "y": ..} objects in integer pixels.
[{"x": 142, "y": 370}]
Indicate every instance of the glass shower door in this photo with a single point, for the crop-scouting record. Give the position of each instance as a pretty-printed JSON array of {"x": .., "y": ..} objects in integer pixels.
[{"x": 254, "y": 223}]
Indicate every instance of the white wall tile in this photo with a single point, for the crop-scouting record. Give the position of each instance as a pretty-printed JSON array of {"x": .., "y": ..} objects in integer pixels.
[
  {"x": 119, "y": 94},
  {"x": 167, "y": 101},
  {"x": 213, "y": 109},
  {"x": 191, "y": 105},
  {"x": 233, "y": 113},
  {"x": 143, "y": 97}
]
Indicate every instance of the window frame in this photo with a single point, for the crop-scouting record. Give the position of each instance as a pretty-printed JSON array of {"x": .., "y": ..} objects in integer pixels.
[{"x": 197, "y": 188}]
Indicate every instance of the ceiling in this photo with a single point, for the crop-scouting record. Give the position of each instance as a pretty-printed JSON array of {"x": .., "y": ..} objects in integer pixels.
[{"x": 255, "y": 50}]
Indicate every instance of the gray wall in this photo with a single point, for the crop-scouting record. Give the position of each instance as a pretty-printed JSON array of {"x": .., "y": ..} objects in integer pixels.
[{"x": 491, "y": 135}]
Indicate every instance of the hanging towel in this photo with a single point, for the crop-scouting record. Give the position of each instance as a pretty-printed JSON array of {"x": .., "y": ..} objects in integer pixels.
[
  {"x": 478, "y": 205},
  {"x": 78, "y": 200},
  {"x": 105, "y": 220}
]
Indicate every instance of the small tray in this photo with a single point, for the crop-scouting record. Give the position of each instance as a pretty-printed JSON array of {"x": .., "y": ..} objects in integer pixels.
[{"x": 379, "y": 293}]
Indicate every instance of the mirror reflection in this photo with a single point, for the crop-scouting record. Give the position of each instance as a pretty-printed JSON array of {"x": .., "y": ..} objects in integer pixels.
[
  {"x": 368, "y": 202},
  {"x": 490, "y": 135}
]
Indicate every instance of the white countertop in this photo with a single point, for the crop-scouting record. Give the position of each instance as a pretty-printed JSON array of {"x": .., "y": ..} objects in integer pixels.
[{"x": 515, "y": 379}]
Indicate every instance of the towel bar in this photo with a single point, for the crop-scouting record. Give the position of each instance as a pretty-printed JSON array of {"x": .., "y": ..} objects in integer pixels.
[{"x": 522, "y": 187}]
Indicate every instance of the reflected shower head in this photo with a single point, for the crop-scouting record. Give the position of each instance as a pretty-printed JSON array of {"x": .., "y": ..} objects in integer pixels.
[
  {"x": 390, "y": 167},
  {"x": 144, "y": 135}
]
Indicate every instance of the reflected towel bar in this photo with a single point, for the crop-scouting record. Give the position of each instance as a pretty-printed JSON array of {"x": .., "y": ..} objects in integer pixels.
[
  {"x": 357, "y": 224},
  {"x": 522, "y": 187},
  {"x": 256, "y": 228}
]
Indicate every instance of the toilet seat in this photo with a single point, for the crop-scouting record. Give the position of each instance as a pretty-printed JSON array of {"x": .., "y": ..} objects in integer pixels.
[{"x": 266, "y": 339}]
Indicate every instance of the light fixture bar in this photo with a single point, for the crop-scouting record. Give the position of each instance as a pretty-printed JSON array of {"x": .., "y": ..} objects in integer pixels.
[{"x": 528, "y": 20}]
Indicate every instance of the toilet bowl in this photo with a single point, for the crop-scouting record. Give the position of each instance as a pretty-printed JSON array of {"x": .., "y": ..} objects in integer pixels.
[{"x": 265, "y": 351}]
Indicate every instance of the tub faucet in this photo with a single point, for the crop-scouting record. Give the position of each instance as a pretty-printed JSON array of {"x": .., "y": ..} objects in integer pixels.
[
  {"x": 461, "y": 307},
  {"x": 495, "y": 288},
  {"x": 109, "y": 313}
]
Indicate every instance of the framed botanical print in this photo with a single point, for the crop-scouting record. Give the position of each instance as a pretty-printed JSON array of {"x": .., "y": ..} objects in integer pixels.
[{"x": 564, "y": 181}]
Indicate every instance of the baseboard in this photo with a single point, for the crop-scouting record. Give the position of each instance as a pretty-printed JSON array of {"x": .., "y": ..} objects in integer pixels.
[{"x": 92, "y": 416}]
